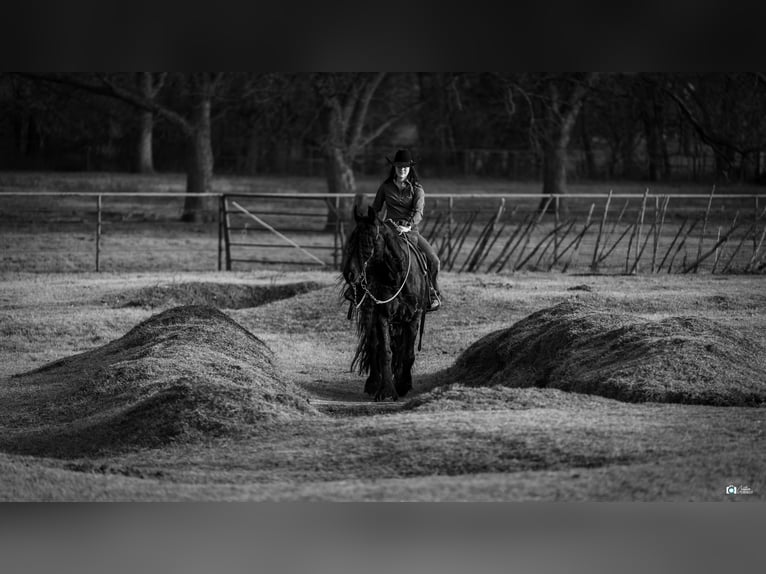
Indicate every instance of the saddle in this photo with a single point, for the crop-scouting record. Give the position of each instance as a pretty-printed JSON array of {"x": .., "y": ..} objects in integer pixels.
[
  {"x": 422, "y": 260},
  {"x": 419, "y": 255}
]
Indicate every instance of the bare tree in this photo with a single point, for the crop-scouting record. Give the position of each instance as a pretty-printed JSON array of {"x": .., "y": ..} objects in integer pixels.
[
  {"x": 726, "y": 111},
  {"x": 349, "y": 124},
  {"x": 273, "y": 127},
  {"x": 652, "y": 104},
  {"x": 553, "y": 101},
  {"x": 191, "y": 113},
  {"x": 149, "y": 84},
  {"x": 625, "y": 110}
]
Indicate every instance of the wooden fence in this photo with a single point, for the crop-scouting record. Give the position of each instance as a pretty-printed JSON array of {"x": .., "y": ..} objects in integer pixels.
[
  {"x": 613, "y": 233},
  {"x": 472, "y": 233}
]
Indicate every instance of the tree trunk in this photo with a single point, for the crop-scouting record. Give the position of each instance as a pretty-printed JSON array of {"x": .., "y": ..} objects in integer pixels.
[
  {"x": 252, "y": 153},
  {"x": 667, "y": 166},
  {"x": 562, "y": 114},
  {"x": 22, "y": 146},
  {"x": 653, "y": 118},
  {"x": 145, "y": 157},
  {"x": 554, "y": 175},
  {"x": 345, "y": 111},
  {"x": 145, "y": 162},
  {"x": 199, "y": 169},
  {"x": 628, "y": 161},
  {"x": 723, "y": 164},
  {"x": 655, "y": 156},
  {"x": 340, "y": 179},
  {"x": 555, "y": 158},
  {"x": 590, "y": 157}
]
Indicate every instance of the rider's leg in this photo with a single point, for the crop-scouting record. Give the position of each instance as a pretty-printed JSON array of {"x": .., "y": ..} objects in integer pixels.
[{"x": 433, "y": 268}]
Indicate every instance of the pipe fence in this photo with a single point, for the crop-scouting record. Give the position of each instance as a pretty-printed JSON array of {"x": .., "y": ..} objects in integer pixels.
[{"x": 472, "y": 233}]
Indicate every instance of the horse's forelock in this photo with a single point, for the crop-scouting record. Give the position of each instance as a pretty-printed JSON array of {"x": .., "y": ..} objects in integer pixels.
[{"x": 367, "y": 234}]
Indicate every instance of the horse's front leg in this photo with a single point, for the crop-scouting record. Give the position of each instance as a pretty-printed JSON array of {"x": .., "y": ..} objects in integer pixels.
[
  {"x": 386, "y": 388},
  {"x": 372, "y": 385},
  {"x": 406, "y": 349}
]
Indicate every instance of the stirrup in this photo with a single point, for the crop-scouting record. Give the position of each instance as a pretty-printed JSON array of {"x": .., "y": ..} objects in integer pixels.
[{"x": 436, "y": 301}]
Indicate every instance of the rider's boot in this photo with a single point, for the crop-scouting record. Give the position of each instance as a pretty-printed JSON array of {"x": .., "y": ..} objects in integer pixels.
[{"x": 434, "y": 296}]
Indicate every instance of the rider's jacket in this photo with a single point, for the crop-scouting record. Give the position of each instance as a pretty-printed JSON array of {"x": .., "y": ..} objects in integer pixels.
[{"x": 404, "y": 206}]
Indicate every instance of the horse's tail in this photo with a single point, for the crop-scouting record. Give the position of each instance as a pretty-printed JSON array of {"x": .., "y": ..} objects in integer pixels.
[{"x": 365, "y": 329}]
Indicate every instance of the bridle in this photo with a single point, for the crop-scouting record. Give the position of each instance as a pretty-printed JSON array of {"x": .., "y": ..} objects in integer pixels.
[{"x": 363, "y": 281}]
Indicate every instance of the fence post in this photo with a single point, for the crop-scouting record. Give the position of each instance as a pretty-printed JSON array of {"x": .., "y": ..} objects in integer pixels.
[
  {"x": 220, "y": 230},
  {"x": 555, "y": 226},
  {"x": 639, "y": 229},
  {"x": 98, "y": 235},
  {"x": 336, "y": 233},
  {"x": 655, "y": 237},
  {"x": 665, "y": 202},
  {"x": 227, "y": 232},
  {"x": 755, "y": 218},
  {"x": 449, "y": 229},
  {"x": 704, "y": 225},
  {"x": 594, "y": 262}
]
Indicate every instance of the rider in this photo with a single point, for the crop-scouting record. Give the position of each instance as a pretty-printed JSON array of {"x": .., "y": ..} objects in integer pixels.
[{"x": 401, "y": 198}]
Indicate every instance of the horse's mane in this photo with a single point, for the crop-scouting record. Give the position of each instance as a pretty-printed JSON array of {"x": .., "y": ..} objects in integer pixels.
[{"x": 396, "y": 251}]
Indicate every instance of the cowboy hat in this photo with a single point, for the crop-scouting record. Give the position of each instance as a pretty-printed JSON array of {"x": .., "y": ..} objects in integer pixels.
[{"x": 402, "y": 157}]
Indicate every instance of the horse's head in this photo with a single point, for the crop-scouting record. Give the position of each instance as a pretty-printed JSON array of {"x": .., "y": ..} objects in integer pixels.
[{"x": 363, "y": 244}]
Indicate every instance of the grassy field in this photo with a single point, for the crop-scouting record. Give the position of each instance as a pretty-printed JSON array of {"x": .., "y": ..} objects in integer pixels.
[
  {"x": 129, "y": 385},
  {"x": 452, "y": 439}
]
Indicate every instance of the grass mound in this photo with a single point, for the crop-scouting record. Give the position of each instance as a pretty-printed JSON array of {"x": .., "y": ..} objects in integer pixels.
[
  {"x": 186, "y": 374},
  {"x": 219, "y": 295},
  {"x": 575, "y": 346}
]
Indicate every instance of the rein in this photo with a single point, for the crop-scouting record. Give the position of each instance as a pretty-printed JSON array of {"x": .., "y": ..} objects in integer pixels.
[{"x": 364, "y": 277}]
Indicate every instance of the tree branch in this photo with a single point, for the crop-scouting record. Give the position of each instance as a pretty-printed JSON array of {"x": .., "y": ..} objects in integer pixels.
[
  {"x": 363, "y": 107},
  {"x": 349, "y": 106},
  {"x": 714, "y": 141},
  {"x": 377, "y": 132},
  {"x": 575, "y": 100},
  {"x": 111, "y": 90}
]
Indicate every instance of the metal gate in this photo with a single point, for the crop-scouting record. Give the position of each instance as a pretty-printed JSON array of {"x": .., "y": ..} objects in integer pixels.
[{"x": 280, "y": 229}]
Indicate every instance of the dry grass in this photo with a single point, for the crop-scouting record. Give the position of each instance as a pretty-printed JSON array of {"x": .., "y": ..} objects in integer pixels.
[
  {"x": 459, "y": 397},
  {"x": 257, "y": 403}
]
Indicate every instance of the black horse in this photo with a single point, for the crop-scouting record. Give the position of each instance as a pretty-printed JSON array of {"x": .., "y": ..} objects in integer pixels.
[{"x": 387, "y": 287}]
